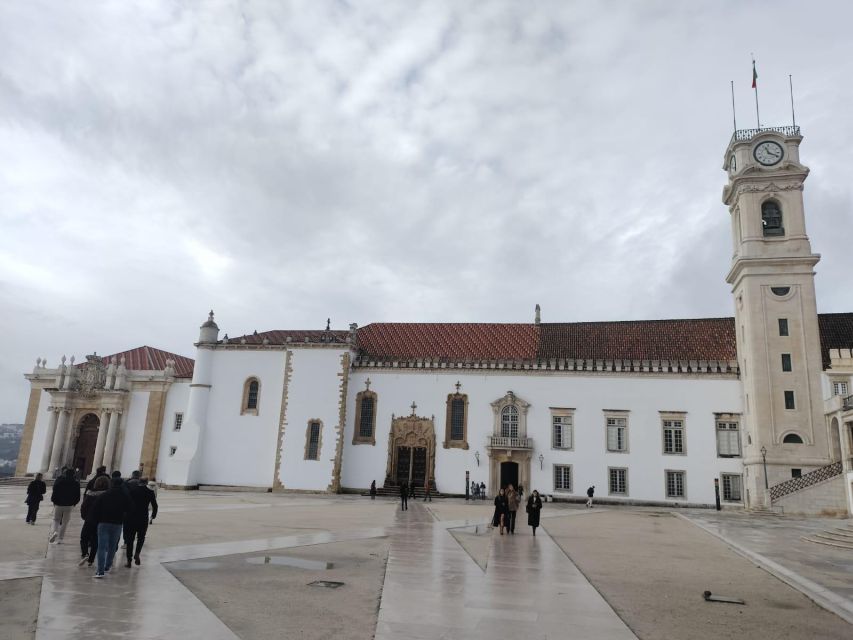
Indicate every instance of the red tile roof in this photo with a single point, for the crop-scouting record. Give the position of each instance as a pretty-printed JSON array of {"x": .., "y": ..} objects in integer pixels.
[
  {"x": 284, "y": 336},
  {"x": 151, "y": 359}
]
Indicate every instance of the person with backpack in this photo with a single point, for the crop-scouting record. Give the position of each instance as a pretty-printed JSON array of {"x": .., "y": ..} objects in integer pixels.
[
  {"x": 89, "y": 531},
  {"x": 589, "y": 494},
  {"x": 35, "y": 494}
]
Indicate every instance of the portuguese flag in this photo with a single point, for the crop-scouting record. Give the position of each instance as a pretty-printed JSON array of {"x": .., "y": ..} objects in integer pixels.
[{"x": 754, "y": 76}]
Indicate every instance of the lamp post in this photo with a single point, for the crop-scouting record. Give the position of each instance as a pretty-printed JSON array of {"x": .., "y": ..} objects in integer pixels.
[
  {"x": 764, "y": 458},
  {"x": 541, "y": 460}
]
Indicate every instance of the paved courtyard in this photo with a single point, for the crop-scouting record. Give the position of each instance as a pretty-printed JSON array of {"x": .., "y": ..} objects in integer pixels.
[{"x": 256, "y": 565}]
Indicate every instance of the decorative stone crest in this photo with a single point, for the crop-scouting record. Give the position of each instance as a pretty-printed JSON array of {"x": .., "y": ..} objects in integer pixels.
[{"x": 91, "y": 377}]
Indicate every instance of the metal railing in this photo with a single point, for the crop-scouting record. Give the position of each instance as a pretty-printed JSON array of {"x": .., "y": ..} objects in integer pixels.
[
  {"x": 806, "y": 480},
  {"x": 501, "y": 442},
  {"x": 847, "y": 403},
  {"x": 749, "y": 134}
]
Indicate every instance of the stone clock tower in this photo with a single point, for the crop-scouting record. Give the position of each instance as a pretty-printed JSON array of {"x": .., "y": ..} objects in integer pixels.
[{"x": 772, "y": 278}]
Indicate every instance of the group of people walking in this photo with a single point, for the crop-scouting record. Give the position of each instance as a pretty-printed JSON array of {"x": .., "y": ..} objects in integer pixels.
[
  {"x": 112, "y": 508},
  {"x": 507, "y": 503}
]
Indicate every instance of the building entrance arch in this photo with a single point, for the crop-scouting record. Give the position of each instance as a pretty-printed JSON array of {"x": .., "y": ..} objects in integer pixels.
[
  {"x": 509, "y": 474},
  {"x": 411, "y": 452},
  {"x": 84, "y": 449}
]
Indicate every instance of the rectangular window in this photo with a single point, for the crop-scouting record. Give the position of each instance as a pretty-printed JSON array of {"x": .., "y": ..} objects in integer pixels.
[
  {"x": 796, "y": 473},
  {"x": 728, "y": 439},
  {"x": 673, "y": 436},
  {"x": 563, "y": 477},
  {"x": 365, "y": 423},
  {"x": 457, "y": 419},
  {"x": 789, "y": 400},
  {"x": 617, "y": 434},
  {"x": 786, "y": 362},
  {"x": 674, "y": 484},
  {"x": 179, "y": 420},
  {"x": 783, "y": 326},
  {"x": 313, "y": 449},
  {"x": 839, "y": 389},
  {"x": 731, "y": 487},
  {"x": 562, "y": 436},
  {"x": 618, "y": 483}
]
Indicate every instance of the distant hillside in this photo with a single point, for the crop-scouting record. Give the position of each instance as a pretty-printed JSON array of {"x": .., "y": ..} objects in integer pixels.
[{"x": 10, "y": 442}]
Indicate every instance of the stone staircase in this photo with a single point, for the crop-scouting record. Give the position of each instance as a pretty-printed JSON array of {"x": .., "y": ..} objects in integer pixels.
[
  {"x": 806, "y": 480},
  {"x": 15, "y": 481},
  {"x": 840, "y": 537}
]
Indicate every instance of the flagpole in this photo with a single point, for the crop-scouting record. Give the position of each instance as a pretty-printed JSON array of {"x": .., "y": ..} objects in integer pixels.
[
  {"x": 755, "y": 86},
  {"x": 793, "y": 115},
  {"x": 734, "y": 115}
]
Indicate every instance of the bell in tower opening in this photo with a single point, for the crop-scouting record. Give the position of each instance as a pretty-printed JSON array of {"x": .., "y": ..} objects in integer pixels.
[{"x": 771, "y": 219}]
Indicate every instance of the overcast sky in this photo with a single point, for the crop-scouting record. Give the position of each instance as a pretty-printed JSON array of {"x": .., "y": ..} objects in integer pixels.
[{"x": 285, "y": 162}]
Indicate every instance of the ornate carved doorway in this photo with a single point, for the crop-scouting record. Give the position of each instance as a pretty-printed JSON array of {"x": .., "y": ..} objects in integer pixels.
[
  {"x": 84, "y": 449},
  {"x": 411, "y": 451}
]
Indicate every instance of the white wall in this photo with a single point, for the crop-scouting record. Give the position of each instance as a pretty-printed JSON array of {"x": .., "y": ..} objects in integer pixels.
[
  {"x": 314, "y": 394},
  {"x": 239, "y": 449},
  {"x": 176, "y": 401},
  {"x": 643, "y": 396},
  {"x": 132, "y": 431},
  {"x": 39, "y": 434}
]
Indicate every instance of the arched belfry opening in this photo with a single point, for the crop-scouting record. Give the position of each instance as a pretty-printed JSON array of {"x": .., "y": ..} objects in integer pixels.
[
  {"x": 84, "y": 448},
  {"x": 771, "y": 218}
]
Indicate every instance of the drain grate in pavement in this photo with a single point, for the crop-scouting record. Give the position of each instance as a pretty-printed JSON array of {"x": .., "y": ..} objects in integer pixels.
[{"x": 329, "y": 584}]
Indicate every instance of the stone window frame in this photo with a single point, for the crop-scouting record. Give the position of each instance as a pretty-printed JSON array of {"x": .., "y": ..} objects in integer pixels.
[
  {"x": 571, "y": 488},
  {"x": 311, "y": 422},
  {"x": 178, "y": 422},
  {"x": 449, "y": 443},
  {"x": 723, "y": 477},
  {"x": 563, "y": 412},
  {"x": 728, "y": 419},
  {"x": 357, "y": 438},
  {"x": 683, "y": 495},
  {"x": 610, "y": 490},
  {"x": 498, "y": 407},
  {"x": 245, "y": 410},
  {"x": 839, "y": 387},
  {"x": 673, "y": 416},
  {"x": 615, "y": 414}
]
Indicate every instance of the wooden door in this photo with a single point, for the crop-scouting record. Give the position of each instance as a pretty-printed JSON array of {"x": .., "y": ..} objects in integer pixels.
[
  {"x": 419, "y": 464},
  {"x": 403, "y": 461}
]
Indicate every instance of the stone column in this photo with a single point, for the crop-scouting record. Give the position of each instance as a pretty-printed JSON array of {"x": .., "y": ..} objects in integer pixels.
[
  {"x": 100, "y": 442},
  {"x": 48, "y": 441},
  {"x": 110, "y": 446},
  {"x": 59, "y": 441}
]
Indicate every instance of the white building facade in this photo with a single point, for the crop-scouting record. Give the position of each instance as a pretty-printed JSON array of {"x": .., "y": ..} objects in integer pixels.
[{"x": 757, "y": 407}]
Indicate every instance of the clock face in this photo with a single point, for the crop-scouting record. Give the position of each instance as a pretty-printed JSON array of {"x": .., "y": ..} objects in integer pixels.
[{"x": 768, "y": 153}]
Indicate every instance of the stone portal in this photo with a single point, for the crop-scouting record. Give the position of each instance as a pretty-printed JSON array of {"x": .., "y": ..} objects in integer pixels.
[{"x": 411, "y": 451}]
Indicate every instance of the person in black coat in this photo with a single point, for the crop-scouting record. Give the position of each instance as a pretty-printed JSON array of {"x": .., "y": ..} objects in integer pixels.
[
  {"x": 89, "y": 531},
  {"x": 109, "y": 511},
  {"x": 534, "y": 508},
  {"x": 65, "y": 496},
  {"x": 35, "y": 494},
  {"x": 373, "y": 490},
  {"x": 404, "y": 495},
  {"x": 501, "y": 511},
  {"x": 136, "y": 520},
  {"x": 100, "y": 471}
]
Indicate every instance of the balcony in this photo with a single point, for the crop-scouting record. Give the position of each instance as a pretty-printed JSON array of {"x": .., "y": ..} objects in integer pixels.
[
  {"x": 749, "y": 134},
  {"x": 847, "y": 403},
  {"x": 501, "y": 442}
]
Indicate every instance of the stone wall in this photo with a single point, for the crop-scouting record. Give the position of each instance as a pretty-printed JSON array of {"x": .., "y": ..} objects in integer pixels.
[{"x": 826, "y": 498}]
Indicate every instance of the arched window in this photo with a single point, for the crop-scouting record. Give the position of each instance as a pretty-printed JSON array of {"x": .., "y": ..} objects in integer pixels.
[
  {"x": 456, "y": 426},
  {"x": 509, "y": 422},
  {"x": 792, "y": 438},
  {"x": 365, "y": 418},
  {"x": 771, "y": 218},
  {"x": 251, "y": 397}
]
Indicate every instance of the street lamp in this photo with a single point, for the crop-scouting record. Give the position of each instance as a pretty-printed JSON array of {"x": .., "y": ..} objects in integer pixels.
[
  {"x": 764, "y": 458},
  {"x": 541, "y": 460},
  {"x": 477, "y": 457}
]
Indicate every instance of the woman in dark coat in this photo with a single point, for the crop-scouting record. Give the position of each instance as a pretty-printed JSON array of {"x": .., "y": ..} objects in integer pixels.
[
  {"x": 501, "y": 511},
  {"x": 35, "y": 494},
  {"x": 89, "y": 532},
  {"x": 534, "y": 508}
]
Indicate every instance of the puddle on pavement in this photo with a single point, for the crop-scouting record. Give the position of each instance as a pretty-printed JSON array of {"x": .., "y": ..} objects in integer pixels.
[
  {"x": 189, "y": 565},
  {"x": 289, "y": 561}
]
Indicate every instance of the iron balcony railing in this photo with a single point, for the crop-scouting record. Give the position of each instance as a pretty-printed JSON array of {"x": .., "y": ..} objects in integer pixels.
[
  {"x": 749, "y": 134},
  {"x": 502, "y": 442},
  {"x": 847, "y": 403}
]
